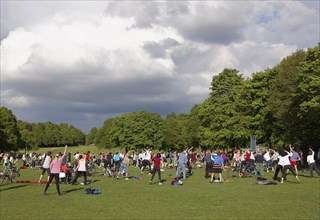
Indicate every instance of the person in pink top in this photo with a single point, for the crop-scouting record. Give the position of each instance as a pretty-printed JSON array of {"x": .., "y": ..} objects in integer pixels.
[{"x": 55, "y": 167}]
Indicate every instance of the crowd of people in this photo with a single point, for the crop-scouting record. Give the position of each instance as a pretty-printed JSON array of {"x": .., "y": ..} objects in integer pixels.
[{"x": 243, "y": 162}]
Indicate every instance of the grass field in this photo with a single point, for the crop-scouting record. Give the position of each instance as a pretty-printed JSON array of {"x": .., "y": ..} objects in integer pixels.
[{"x": 137, "y": 199}]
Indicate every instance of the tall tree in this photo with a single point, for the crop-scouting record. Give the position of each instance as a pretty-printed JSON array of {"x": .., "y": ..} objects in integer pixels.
[
  {"x": 281, "y": 101},
  {"x": 257, "y": 91},
  {"x": 221, "y": 115},
  {"x": 307, "y": 98}
]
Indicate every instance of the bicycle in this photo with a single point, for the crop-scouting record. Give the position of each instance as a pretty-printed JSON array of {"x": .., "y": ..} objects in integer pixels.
[
  {"x": 9, "y": 174},
  {"x": 234, "y": 170},
  {"x": 92, "y": 169}
]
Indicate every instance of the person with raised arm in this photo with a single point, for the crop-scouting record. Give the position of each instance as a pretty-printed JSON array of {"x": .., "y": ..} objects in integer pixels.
[
  {"x": 294, "y": 158},
  {"x": 285, "y": 162},
  {"x": 55, "y": 167},
  {"x": 312, "y": 163}
]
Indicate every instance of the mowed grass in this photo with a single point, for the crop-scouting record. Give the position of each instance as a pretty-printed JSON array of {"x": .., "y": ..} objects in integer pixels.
[{"x": 137, "y": 199}]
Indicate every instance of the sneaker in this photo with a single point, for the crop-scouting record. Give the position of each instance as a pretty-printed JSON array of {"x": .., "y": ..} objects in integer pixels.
[
  {"x": 117, "y": 177},
  {"x": 150, "y": 182},
  {"x": 298, "y": 179},
  {"x": 160, "y": 183},
  {"x": 126, "y": 178}
]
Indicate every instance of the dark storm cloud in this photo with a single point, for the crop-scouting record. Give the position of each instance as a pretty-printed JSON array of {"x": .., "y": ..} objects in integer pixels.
[
  {"x": 211, "y": 24},
  {"x": 158, "y": 50},
  {"x": 192, "y": 60}
]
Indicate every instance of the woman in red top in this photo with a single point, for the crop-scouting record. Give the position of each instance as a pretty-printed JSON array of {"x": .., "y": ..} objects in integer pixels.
[{"x": 156, "y": 168}]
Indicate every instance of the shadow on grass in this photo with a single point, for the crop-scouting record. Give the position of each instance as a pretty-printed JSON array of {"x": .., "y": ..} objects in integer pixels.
[
  {"x": 72, "y": 190},
  {"x": 12, "y": 187}
]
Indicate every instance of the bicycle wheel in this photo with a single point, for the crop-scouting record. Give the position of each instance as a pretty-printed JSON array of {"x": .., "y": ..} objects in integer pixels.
[{"x": 2, "y": 177}]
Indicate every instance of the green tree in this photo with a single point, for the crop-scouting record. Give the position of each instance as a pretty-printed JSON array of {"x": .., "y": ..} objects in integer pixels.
[
  {"x": 192, "y": 125},
  {"x": 9, "y": 133},
  {"x": 27, "y": 136},
  {"x": 281, "y": 101},
  {"x": 223, "y": 122},
  {"x": 77, "y": 136},
  {"x": 103, "y": 138},
  {"x": 91, "y": 136},
  {"x": 137, "y": 130},
  {"x": 176, "y": 131},
  {"x": 307, "y": 99},
  {"x": 257, "y": 91}
]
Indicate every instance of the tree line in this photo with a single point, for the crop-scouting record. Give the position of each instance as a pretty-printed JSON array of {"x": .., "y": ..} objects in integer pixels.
[
  {"x": 280, "y": 105},
  {"x": 16, "y": 134}
]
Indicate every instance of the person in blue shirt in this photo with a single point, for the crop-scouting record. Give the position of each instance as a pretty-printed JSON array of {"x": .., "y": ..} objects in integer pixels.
[
  {"x": 217, "y": 166},
  {"x": 117, "y": 161}
]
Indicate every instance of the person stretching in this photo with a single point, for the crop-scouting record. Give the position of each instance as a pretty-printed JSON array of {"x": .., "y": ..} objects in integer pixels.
[
  {"x": 81, "y": 169},
  {"x": 55, "y": 167},
  {"x": 156, "y": 168},
  {"x": 45, "y": 166},
  {"x": 312, "y": 163},
  {"x": 285, "y": 162}
]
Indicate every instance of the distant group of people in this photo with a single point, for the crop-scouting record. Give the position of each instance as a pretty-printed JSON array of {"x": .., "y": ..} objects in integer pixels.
[{"x": 183, "y": 161}]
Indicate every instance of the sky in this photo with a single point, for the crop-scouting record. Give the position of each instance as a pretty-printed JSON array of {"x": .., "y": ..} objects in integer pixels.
[{"x": 82, "y": 62}]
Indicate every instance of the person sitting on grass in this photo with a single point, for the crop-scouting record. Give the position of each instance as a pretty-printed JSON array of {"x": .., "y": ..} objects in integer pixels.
[{"x": 217, "y": 166}]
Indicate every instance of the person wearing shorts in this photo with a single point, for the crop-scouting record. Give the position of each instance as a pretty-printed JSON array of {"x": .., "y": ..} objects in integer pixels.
[
  {"x": 217, "y": 166},
  {"x": 294, "y": 158}
]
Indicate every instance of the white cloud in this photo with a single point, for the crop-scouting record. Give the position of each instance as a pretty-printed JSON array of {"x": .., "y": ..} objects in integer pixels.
[{"x": 96, "y": 59}]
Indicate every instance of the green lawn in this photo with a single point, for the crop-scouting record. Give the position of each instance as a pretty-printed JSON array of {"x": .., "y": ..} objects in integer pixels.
[{"x": 137, "y": 199}]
